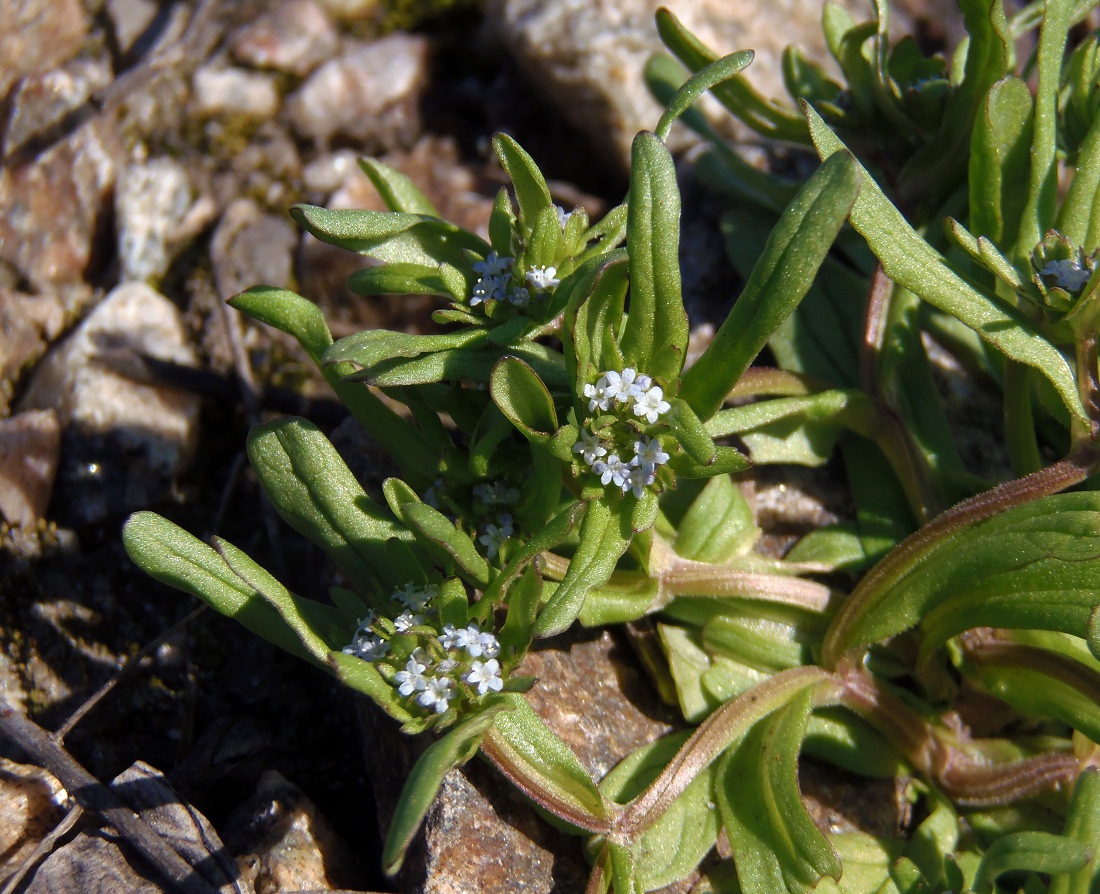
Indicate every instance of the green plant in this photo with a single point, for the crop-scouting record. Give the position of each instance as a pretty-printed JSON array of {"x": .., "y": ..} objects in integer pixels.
[{"x": 559, "y": 463}]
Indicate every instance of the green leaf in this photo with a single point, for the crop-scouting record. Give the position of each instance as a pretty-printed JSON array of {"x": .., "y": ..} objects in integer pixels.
[
  {"x": 689, "y": 430},
  {"x": 698, "y": 84},
  {"x": 1031, "y": 851},
  {"x": 315, "y": 492},
  {"x": 673, "y": 846},
  {"x": 605, "y": 534},
  {"x": 591, "y": 317},
  {"x": 654, "y": 339},
  {"x": 391, "y": 237},
  {"x": 416, "y": 455},
  {"x": 532, "y": 193},
  {"x": 1079, "y": 217},
  {"x": 1032, "y": 566},
  {"x": 453, "y": 750},
  {"x": 364, "y": 677},
  {"x": 1083, "y": 825},
  {"x": 914, "y": 264},
  {"x": 776, "y": 845},
  {"x": 727, "y": 461},
  {"x": 372, "y": 347},
  {"x": 171, "y": 555},
  {"x": 999, "y": 161},
  {"x": 718, "y": 525},
  {"x": 782, "y": 276},
  {"x": 409, "y": 279},
  {"x": 397, "y": 191},
  {"x": 543, "y": 766},
  {"x": 439, "y": 535},
  {"x": 471, "y": 363},
  {"x": 523, "y": 398}
]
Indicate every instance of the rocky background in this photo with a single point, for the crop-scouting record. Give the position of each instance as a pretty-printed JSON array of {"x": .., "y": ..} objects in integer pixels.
[{"x": 148, "y": 154}]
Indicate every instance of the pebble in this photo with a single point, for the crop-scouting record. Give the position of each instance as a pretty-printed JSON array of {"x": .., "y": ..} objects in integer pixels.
[
  {"x": 221, "y": 91},
  {"x": 30, "y": 448},
  {"x": 125, "y": 440},
  {"x": 38, "y": 35},
  {"x": 31, "y": 802},
  {"x": 27, "y": 322},
  {"x": 250, "y": 246},
  {"x": 155, "y": 215},
  {"x": 369, "y": 94},
  {"x": 294, "y": 37}
]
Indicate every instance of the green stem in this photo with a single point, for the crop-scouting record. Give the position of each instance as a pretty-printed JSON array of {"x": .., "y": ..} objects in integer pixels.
[{"x": 1023, "y": 447}]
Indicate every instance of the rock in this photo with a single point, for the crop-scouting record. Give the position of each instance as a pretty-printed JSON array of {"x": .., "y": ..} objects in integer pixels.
[
  {"x": 95, "y": 863},
  {"x": 369, "y": 94},
  {"x": 38, "y": 35},
  {"x": 350, "y": 10},
  {"x": 283, "y": 843},
  {"x": 155, "y": 217},
  {"x": 480, "y": 835},
  {"x": 54, "y": 206},
  {"x": 125, "y": 441},
  {"x": 27, "y": 322},
  {"x": 234, "y": 92},
  {"x": 43, "y": 99},
  {"x": 30, "y": 447},
  {"x": 294, "y": 37},
  {"x": 131, "y": 19},
  {"x": 31, "y": 803},
  {"x": 250, "y": 246},
  {"x": 587, "y": 56}
]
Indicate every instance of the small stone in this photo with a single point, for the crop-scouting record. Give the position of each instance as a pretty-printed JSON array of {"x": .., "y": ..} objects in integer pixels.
[
  {"x": 284, "y": 843},
  {"x": 30, "y": 447},
  {"x": 131, "y": 19},
  {"x": 153, "y": 205},
  {"x": 31, "y": 802},
  {"x": 27, "y": 323},
  {"x": 350, "y": 10},
  {"x": 43, "y": 99},
  {"x": 370, "y": 94},
  {"x": 295, "y": 37},
  {"x": 125, "y": 441},
  {"x": 53, "y": 207},
  {"x": 234, "y": 91},
  {"x": 250, "y": 246},
  {"x": 38, "y": 35}
]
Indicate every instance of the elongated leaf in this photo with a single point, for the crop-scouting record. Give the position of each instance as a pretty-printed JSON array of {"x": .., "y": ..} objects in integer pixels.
[
  {"x": 673, "y": 846},
  {"x": 698, "y": 84},
  {"x": 408, "y": 279},
  {"x": 397, "y": 191},
  {"x": 315, "y": 492},
  {"x": 364, "y": 677},
  {"x": 605, "y": 534},
  {"x": 167, "y": 553},
  {"x": 416, "y": 455},
  {"x": 655, "y": 337},
  {"x": 523, "y": 398},
  {"x": 373, "y": 346},
  {"x": 532, "y": 193},
  {"x": 436, "y": 532},
  {"x": 999, "y": 161},
  {"x": 1083, "y": 825},
  {"x": 543, "y": 766},
  {"x": 718, "y": 525},
  {"x": 1033, "y": 566},
  {"x": 391, "y": 237},
  {"x": 453, "y": 750},
  {"x": 1034, "y": 851},
  {"x": 776, "y": 845},
  {"x": 1079, "y": 217},
  {"x": 913, "y": 263},
  {"x": 549, "y": 536},
  {"x": 781, "y": 278}
]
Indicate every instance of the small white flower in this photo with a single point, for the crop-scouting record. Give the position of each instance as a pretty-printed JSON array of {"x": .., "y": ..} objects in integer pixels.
[
  {"x": 563, "y": 215},
  {"x": 453, "y": 637},
  {"x": 590, "y": 447},
  {"x": 494, "y": 265},
  {"x": 542, "y": 278},
  {"x": 651, "y": 404},
  {"x": 406, "y": 621},
  {"x": 495, "y": 535},
  {"x": 479, "y": 643},
  {"x": 600, "y": 395},
  {"x": 611, "y": 470},
  {"x": 437, "y": 692},
  {"x": 485, "y": 675},
  {"x": 415, "y": 598},
  {"x": 520, "y": 297},
  {"x": 638, "y": 479},
  {"x": 368, "y": 645},
  {"x": 412, "y": 678},
  {"x": 1068, "y": 274},
  {"x": 627, "y": 384},
  {"x": 648, "y": 454}
]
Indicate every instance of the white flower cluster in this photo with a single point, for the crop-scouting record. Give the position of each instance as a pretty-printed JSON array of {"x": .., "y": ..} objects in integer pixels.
[
  {"x": 496, "y": 283},
  {"x": 469, "y": 656},
  {"x": 628, "y": 387},
  {"x": 413, "y": 604},
  {"x": 1068, "y": 274},
  {"x": 635, "y": 475}
]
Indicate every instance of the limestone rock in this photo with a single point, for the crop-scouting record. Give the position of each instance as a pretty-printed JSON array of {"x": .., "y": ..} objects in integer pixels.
[
  {"x": 294, "y": 37},
  {"x": 234, "y": 92}
]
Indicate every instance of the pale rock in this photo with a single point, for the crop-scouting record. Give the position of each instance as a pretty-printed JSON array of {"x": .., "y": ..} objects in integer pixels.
[
  {"x": 131, "y": 19},
  {"x": 234, "y": 91},
  {"x": 370, "y": 94},
  {"x": 155, "y": 215},
  {"x": 350, "y": 10},
  {"x": 31, "y": 802},
  {"x": 43, "y": 99},
  {"x": 125, "y": 440},
  {"x": 30, "y": 448},
  {"x": 294, "y": 37},
  {"x": 38, "y": 35},
  {"x": 250, "y": 246}
]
